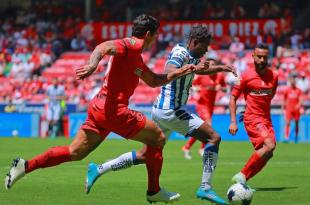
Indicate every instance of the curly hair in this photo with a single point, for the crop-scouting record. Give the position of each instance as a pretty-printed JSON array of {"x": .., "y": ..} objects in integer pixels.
[
  {"x": 200, "y": 33},
  {"x": 144, "y": 23}
]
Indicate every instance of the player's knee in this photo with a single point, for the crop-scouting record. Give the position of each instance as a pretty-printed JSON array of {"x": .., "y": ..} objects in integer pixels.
[
  {"x": 215, "y": 139},
  {"x": 161, "y": 140},
  {"x": 270, "y": 149}
]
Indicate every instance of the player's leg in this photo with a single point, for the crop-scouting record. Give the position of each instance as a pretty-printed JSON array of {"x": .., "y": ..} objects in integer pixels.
[
  {"x": 296, "y": 118},
  {"x": 296, "y": 130},
  {"x": 189, "y": 124},
  {"x": 259, "y": 159},
  {"x": 49, "y": 117},
  {"x": 206, "y": 134},
  {"x": 288, "y": 119},
  {"x": 139, "y": 128},
  {"x": 263, "y": 139},
  {"x": 56, "y": 120},
  {"x": 84, "y": 142},
  {"x": 207, "y": 118},
  {"x": 155, "y": 140}
]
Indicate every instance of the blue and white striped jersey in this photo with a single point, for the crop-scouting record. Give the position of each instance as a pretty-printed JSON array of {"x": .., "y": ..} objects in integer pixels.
[{"x": 175, "y": 94}]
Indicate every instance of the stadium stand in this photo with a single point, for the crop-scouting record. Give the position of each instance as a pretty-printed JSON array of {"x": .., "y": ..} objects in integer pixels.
[{"x": 36, "y": 47}]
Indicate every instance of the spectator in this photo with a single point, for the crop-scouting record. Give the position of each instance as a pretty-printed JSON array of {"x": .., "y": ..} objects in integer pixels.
[
  {"x": 303, "y": 83},
  {"x": 237, "y": 11},
  {"x": 296, "y": 40},
  {"x": 236, "y": 46},
  {"x": 78, "y": 43},
  {"x": 10, "y": 107}
]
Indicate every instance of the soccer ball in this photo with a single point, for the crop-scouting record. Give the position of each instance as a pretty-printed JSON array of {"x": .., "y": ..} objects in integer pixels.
[
  {"x": 239, "y": 193},
  {"x": 14, "y": 133}
]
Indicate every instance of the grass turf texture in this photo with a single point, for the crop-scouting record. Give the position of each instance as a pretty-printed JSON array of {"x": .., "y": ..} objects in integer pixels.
[{"x": 285, "y": 180}]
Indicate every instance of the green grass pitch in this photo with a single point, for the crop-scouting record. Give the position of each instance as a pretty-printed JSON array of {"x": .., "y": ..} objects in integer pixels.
[{"x": 285, "y": 180}]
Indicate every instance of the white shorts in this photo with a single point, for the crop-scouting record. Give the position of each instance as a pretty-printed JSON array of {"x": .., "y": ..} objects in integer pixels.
[
  {"x": 179, "y": 120},
  {"x": 53, "y": 113}
]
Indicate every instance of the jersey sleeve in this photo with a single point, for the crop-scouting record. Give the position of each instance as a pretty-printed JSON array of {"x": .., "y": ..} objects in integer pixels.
[
  {"x": 177, "y": 57},
  {"x": 239, "y": 87},
  {"x": 128, "y": 47},
  {"x": 141, "y": 67}
]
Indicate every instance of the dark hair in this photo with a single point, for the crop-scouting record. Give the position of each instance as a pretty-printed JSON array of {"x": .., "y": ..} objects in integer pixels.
[
  {"x": 261, "y": 46},
  {"x": 144, "y": 23},
  {"x": 200, "y": 33}
]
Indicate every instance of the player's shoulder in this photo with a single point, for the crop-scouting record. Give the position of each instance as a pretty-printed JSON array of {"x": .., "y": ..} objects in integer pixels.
[
  {"x": 273, "y": 72},
  {"x": 132, "y": 42}
]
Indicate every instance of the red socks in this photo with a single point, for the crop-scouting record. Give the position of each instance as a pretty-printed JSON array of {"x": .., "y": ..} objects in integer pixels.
[
  {"x": 154, "y": 162},
  {"x": 190, "y": 143},
  {"x": 52, "y": 157},
  {"x": 287, "y": 131},
  {"x": 253, "y": 166}
]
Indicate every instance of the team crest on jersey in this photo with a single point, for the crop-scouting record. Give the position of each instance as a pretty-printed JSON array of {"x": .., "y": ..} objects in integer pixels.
[
  {"x": 138, "y": 71},
  {"x": 132, "y": 41}
]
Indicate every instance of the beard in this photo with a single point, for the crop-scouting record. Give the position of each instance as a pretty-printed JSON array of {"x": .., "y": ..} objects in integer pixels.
[{"x": 260, "y": 66}]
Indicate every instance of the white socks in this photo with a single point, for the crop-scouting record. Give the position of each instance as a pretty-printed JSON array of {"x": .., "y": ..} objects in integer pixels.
[{"x": 122, "y": 162}]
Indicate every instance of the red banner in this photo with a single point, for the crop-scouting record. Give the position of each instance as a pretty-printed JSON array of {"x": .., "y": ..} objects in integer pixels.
[{"x": 220, "y": 28}]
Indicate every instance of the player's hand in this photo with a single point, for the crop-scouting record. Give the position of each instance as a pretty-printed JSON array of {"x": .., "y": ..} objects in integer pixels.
[
  {"x": 233, "y": 128},
  {"x": 187, "y": 69},
  {"x": 84, "y": 71},
  {"x": 202, "y": 66},
  {"x": 229, "y": 68}
]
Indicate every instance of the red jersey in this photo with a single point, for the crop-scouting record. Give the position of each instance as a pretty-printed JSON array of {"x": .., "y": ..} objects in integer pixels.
[
  {"x": 258, "y": 91},
  {"x": 292, "y": 97},
  {"x": 123, "y": 70},
  {"x": 207, "y": 91}
]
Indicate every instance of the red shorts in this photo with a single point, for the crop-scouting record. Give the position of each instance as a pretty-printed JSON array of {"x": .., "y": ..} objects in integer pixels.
[
  {"x": 258, "y": 130},
  {"x": 103, "y": 118},
  {"x": 289, "y": 115},
  {"x": 204, "y": 112}
]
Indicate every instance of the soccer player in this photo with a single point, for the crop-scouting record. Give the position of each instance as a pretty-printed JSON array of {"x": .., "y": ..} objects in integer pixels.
[
  {"x": 170, "y": 114},
  {"x": 208, "y": 86},
  {"x": 291, "y": 106},
  {"x": 109, "y": 112},
  {"x": 258, "y": 85},
  {"x": 55, "y": 93}
]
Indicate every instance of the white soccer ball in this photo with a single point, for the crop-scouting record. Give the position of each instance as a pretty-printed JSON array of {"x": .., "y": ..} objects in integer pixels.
[
  {"x": 14, "y": 133},
  {"x": 239, "y": 194}
]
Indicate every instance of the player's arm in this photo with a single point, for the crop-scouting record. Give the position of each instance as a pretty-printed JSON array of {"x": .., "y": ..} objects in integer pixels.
[
  {"x": 284, "y": 101},
  {"x": 218, "y": 68},
  {"x": 233, "y": 128},
  {"x": 236, "y": 92},
  {"x": 113, "y": 47},
  {"x": 172, "y": 72},
  {"x": 300, "y": 102}
]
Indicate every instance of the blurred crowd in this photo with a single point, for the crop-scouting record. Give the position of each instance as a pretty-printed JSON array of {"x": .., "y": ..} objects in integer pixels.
[{"x": 31, "y": 40}]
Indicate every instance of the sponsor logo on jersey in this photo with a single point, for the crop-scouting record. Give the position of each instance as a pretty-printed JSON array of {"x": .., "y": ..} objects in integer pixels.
[
  {"x": 138, "y": 71},
  {"x": 261, "y": 92},
  {"x": 132, "y": 41}
]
